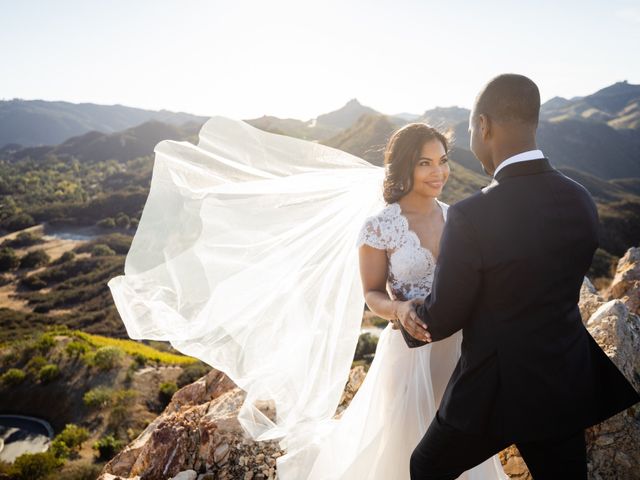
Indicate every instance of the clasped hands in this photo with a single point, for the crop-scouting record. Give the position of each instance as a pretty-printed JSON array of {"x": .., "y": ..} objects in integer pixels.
[{"x": 406, "y": 314}]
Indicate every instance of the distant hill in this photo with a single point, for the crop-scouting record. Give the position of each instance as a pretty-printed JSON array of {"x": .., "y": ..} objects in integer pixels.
[
  {"x": 444, "y": 118},
  {"x": 320, "y": 128},
  {"x": 617, "y": 105},
  {"x": 306, "y": 130},
  {"x": 366, "y": 138},
  {"x": 39, "y": 122},
  {"x": 344, "y": 117},
  {"x": 95, "y": 146}
]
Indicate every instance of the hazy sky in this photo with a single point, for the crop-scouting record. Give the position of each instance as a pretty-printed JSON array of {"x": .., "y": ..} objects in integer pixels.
[{"x": 299, "y": 58}]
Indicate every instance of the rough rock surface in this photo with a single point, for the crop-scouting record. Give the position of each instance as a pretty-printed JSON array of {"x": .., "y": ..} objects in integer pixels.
[{"x": 198, "y": 436}]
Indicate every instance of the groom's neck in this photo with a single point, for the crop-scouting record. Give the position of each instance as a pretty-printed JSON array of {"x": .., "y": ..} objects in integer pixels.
[{"x": 512, "y": 146}]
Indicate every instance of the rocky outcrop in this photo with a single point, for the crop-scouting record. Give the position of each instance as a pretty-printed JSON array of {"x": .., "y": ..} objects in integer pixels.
[
  {"x": 626, "y": 282},
  {"x": 198, "y": 436}
]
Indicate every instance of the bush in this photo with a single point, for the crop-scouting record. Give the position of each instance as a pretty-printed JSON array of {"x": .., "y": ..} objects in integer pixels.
[
  {"x": 35, "y": 364},
  {"x": 139, "y": 360},
  {"x": 33, "y": 282},
  {"x": 66, "y": 257},
  {"x": 107, "y": 447},
  {"x": 8, "y": 259},
  {"x": 122, "y": 220},
  {"x": 73, "y": 436},
  {"x": 108, "y": 357},
  {"x": 59, "y": 449},
  {"x": 76, "y": 348},
  {"x": 48, "y": 373},
  {"x": 13, "y": 376},
  {"x": 35, "y": 258},
  {"x": 101, "y": 250},
  {"x": 98, "y": 397},
  {"x": 33, "y": 466},
  {"x": 44, "y": 342},
  {"x": 108, "y": 222},
  {"x": 192, "y": 372},
  {"x": 119, "y": 418},
  {"x": 19, "y": 221},
  {"x": 125, "y": 397},
  {"x": 167, "y": 389},
  {"x": 366, "y": 346},
  {"x": 26, "y": 239}
]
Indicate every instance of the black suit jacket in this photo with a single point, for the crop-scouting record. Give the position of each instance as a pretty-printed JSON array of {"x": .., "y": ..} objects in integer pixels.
[{"x": 512, "y": 261}]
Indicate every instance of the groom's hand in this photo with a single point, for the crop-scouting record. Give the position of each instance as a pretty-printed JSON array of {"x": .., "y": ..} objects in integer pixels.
[{"x": 410, "y": 322}]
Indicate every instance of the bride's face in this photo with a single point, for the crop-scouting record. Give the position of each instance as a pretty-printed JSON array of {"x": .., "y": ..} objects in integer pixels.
[{"x": 432, "y": 169}]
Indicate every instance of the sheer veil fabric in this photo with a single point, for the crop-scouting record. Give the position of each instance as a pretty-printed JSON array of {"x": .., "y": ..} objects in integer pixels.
[{"x": 245, "y": 257}]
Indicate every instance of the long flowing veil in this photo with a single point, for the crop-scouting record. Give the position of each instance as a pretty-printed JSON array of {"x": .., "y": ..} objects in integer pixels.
[{"x": 245, "y": 257}]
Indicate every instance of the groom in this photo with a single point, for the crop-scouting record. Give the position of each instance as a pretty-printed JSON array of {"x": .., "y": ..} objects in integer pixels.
[{"x": 512, "y": 260}]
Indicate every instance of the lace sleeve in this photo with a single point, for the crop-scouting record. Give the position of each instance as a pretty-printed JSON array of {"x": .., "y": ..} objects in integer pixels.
[{"x": 371, "y": 233}]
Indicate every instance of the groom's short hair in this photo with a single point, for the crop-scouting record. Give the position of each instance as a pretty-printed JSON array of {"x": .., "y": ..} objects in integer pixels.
[{"x": 510, "y": 98}]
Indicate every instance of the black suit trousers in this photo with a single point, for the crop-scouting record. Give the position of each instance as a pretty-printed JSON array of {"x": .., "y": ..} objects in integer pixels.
[{"x": 444, "y": 453}]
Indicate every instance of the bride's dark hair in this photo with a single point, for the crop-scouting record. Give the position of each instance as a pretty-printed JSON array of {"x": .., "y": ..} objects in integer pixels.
[{"x": 401, "y": 155}]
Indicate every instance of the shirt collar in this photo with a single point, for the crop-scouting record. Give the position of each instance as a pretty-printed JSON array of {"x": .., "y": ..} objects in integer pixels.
[{"x": 520, "y": 157}]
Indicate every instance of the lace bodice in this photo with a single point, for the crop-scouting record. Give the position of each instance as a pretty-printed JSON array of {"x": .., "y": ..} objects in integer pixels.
[{"x": 410, "y": 265}]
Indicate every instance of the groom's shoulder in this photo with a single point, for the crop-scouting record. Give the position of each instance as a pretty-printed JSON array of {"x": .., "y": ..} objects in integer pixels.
[{"x": 471, "y": 204}]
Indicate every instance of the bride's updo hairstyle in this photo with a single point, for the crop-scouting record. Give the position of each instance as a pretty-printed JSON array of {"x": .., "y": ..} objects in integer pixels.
[{"x": 401, "y": 155}]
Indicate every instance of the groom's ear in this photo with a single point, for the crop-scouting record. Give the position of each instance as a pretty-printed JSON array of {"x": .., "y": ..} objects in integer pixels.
[{"x": 484, "y": 122}]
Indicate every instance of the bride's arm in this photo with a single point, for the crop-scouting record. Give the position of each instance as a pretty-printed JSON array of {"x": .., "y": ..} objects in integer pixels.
[{"x": 373, "y": 272}]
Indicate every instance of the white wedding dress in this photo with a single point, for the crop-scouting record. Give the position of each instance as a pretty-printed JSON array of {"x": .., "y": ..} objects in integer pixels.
[
  {"x": 245, "y": 257},
  {"x": 374, "y": 437}
]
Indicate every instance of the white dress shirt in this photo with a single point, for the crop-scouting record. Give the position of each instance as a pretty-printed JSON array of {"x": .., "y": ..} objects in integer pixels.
[{"x": 520, "y": 157}]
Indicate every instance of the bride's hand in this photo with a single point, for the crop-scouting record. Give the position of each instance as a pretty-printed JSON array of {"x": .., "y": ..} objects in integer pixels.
[{"x": 408, "y": 317}]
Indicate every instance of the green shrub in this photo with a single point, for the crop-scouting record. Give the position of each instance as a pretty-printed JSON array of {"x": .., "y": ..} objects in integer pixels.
[
  {"x": 139, "y": 359},
  {"x": 108, "y": 222},
  {"x": 34, "y": 258},
  {"x": 59, "y": 449},
  {"x": 108, "y": 357},
  {"x": 366, "y": 346},
  {"x": 49, "y": 373},
  {"x": 76, "y": 348},
  {"x": 8, "y": 259},
  {"x": 192, "y": 372},
  {"x": 65, "y": 257},
  {"x": 167, "y": 389},
  {"x": 26, "y": 239},
  {"x": 33, "y": 282},
  {"x": 125, "y": 397},
  {"x": 98, "y": 397},
  {"x": 101, "y": 250},
  {"x": 107, "y": 447},
  {"x": 35, "y": 364},
  {"x": 33, "y": 466},
  {"x": 72, "y": 436},
  {"x": 119, "y": 418},
  {"x": 19, "y": 221},
  {"x": 44, "y": 342},
  {"x": 13, "y": 376}
]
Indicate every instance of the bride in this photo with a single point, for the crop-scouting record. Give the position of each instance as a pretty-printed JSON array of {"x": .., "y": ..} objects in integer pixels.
[{"x": 244, "y": 257}]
